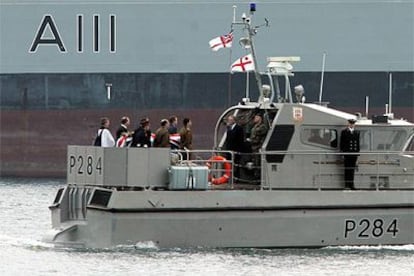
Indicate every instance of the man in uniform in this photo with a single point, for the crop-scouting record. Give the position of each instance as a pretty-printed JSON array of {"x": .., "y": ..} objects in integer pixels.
[
  {"x": 257, "y": 136},
  {"x": 258, "y": 133},
  {"x": 162, "y": 136},
  {"x": 349, "y": 144}
]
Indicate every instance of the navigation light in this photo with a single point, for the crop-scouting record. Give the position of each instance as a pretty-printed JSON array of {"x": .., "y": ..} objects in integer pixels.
[{"x": 252, "y": 7}]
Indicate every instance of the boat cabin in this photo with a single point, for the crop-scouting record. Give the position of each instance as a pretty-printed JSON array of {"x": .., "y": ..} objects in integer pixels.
[{"x": 301, "y": 148}]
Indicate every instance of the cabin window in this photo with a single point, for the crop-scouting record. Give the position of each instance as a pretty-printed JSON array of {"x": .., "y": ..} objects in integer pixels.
[
  {"x": 410, "y": 146},
  {"x": 364, "y": 140},
  {"x": 279, "y": 141},
  {"x": 320, "y": 137},
  {"x": 388, "y": 139},
  {"x": 382, "y": 139}
]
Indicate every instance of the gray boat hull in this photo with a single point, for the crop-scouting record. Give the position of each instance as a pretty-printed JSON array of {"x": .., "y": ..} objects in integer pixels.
[{"x": 228, "y": 219}]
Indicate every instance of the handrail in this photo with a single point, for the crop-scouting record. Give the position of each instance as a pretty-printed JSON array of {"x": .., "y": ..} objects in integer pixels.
[{"x": 326, "y": 167}]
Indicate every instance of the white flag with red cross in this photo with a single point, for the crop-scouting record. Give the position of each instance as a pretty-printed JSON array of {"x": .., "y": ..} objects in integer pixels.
[
  {"x": 224, "y": 41},
  {"x": 243, "y": 64}
]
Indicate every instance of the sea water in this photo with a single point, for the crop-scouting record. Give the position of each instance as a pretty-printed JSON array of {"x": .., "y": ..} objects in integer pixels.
[{"x": 25, "y": 218}]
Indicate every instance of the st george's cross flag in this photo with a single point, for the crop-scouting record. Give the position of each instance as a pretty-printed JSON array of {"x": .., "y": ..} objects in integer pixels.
[
  {"x": 243, "y": 64},
  {"x": 224, "y": 41}
]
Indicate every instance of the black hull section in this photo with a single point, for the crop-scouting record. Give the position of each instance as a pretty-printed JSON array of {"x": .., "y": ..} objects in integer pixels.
[{"x": 191, "y": 90}]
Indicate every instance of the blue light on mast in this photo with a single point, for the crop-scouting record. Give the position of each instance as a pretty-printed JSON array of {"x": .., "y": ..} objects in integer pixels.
[{"x": 252, "y": 7}]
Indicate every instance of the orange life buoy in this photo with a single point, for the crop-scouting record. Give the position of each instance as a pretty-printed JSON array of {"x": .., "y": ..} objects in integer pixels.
[{"x": 227, "y": 170}]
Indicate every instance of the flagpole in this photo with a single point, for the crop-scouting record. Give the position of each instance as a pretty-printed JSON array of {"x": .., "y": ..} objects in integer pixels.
[
  {"x": 247, "y": 85},
  {"x": 230, "y": 61},
  {"x": 229, "y": 85}
]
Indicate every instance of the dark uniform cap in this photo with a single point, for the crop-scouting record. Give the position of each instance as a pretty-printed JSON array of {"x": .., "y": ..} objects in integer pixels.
[{"x": 351, "y": 121}]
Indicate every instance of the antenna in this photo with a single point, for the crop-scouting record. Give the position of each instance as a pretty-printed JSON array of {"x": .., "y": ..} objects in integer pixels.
[
  {"x": 390, "y": 93},
  {"x": 322, "y": 75},
  {"x": 388, "y": 107}
]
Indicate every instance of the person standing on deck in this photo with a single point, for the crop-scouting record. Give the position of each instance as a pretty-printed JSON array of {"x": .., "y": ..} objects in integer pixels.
[
  {"x": 123, "y": 128},
  {"x": 123, "y": 136},
  {"x": 258, "y": 133},
  {"x": 162, "y": 136},
  {"x": 234, "y": 136},
  {"x": 173, "y": 130},
  {"x": 234, "y": 142},
  {"x": 257, "y": 137},
  {"x": 186, "y": 137},
  {"x": 104, "y": 137},
  {"x": 350, "y": 144},
  {"x": 142, "y": 135}
]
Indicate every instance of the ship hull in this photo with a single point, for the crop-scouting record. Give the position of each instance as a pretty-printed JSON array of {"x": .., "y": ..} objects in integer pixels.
[{"x": 262, "y": 219}]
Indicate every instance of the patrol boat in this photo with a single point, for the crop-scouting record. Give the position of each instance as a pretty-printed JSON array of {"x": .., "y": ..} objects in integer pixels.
[{"x": 289, "y": 194}]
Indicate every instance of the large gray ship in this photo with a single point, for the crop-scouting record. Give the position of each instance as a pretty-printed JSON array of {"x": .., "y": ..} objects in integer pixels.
[{"x": 64, "y": 64}]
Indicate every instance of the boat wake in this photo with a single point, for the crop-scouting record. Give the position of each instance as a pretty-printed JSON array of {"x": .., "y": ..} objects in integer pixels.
[{"x": 25, "y": 243}]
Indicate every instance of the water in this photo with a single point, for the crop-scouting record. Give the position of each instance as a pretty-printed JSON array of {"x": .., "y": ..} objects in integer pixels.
[{"x": 25, "y": 218}]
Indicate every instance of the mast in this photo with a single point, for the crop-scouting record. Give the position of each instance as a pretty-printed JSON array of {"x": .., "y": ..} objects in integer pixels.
[
  {"x": 251, "y": 33},
  {"x": 322, "y": 75},
  {"x": 249, "y": 44}
]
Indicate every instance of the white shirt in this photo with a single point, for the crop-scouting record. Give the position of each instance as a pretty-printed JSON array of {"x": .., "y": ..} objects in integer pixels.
[{"x": 107, "y": 140}]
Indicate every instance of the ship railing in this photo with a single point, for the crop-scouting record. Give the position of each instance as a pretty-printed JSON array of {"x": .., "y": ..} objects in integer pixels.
[{"x": 317, "y": 170}]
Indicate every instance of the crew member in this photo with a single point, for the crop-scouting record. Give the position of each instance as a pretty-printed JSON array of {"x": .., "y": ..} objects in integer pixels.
[
  {"x": 258, "y": 133},
  {"x": 162, "y": 137},
  {"x": 350, "y": 144},
  {"x": 186, "y": 137}
]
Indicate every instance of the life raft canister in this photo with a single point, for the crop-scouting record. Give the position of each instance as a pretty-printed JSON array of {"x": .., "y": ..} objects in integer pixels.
[{"x": 227, "y": 170}]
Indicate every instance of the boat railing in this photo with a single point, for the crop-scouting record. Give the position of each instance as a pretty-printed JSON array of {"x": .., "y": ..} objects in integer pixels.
[{"x": 304, "y": 169}]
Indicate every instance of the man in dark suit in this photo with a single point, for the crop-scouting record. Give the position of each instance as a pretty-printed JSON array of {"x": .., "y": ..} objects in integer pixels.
[
  {"x": 123, "y": 128},
  {"x": 235, "y": 136},
  {"x": 234, "y": 142},
  {"x": 142, "y": 135},
  {"x": 349, "y": 144}
]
